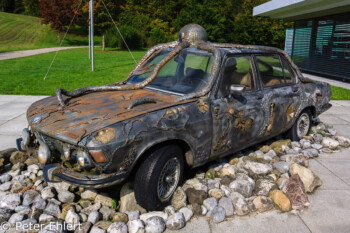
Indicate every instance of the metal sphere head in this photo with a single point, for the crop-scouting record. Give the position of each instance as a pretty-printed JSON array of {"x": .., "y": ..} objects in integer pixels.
[{"x": 192, "y": 33}]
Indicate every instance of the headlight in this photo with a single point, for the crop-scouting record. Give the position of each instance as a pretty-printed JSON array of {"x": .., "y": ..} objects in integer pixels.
[
  {"x": 25, "y": 138},
  {"x": 44, "y": 154},
  {"x": 66, "y": 152},
  {"x": 83, "y": 159}
]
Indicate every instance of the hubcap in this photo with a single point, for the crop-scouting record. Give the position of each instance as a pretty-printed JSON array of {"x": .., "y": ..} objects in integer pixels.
[
  {"x": 168, "y": 179},
  {"x": 303, "y": 125}
]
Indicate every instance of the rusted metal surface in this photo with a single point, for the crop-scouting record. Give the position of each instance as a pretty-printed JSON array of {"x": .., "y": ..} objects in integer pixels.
[
  {"x": 120, "y": 122},
  {"x": 86, "y": 114}
]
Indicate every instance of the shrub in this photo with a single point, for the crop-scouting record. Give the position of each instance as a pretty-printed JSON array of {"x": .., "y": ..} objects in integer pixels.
[
  {"x": 111, "y": 38},
  {"x": 132, "y": 37},
  {"x": 158, "y": 35}
]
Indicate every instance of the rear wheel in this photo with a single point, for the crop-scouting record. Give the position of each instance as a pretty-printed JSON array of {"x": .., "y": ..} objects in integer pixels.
[
  {"x": 158, "y": 177},
  {"x": 301, "y": 126}
]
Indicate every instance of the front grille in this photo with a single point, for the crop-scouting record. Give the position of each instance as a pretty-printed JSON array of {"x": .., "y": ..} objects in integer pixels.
[{"x": 54, "y": 144}]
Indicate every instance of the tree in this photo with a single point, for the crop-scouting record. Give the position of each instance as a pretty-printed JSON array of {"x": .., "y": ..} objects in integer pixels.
[
  {"x": 7, "y": 5},
  {"x": 258, "y": 30},
  {"x": 102, "y": 20},
  {"x": 58, "y": 13},
  {"x": 32, "y": 7},
  {"x": 12, "y": 6}
]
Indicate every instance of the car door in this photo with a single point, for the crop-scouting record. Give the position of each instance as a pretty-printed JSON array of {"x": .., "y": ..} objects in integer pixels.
[
  {"x": 281, "y": 93},
  {"x": 237, "y": 119}
]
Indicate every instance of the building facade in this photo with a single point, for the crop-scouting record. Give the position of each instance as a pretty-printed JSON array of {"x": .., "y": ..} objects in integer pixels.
[{"x": 320, "y": 40}]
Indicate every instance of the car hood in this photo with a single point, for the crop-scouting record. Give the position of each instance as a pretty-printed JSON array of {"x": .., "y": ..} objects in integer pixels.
[{"x": 88, "y": 113}]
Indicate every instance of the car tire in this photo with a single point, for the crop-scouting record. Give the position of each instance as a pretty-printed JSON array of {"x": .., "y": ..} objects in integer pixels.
[
  {"x": 158, "y": 177},
  {"x": 301, "y": 126}
]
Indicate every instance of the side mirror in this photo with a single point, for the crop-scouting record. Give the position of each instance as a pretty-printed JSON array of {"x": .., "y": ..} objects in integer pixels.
[{"x": 237, "y": 89}]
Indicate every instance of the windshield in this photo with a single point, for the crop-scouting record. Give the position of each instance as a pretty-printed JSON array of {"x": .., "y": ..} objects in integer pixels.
[{"x": 187, "y": 72}]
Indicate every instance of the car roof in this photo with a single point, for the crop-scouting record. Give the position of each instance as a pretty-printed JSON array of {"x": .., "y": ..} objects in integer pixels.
[{"x": 225, "y": 51}]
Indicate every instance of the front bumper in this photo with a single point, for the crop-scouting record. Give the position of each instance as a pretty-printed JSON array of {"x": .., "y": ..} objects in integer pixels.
[
  {"x": 325, "y": 107},
  {"x": 56, "y": 173}
]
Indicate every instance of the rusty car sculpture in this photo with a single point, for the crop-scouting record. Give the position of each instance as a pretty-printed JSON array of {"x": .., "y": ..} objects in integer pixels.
[{"x": 185, "y": 103}]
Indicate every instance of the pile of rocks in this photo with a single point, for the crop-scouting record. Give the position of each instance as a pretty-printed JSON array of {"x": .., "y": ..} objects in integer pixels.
[{"x": 272, "y": 176}]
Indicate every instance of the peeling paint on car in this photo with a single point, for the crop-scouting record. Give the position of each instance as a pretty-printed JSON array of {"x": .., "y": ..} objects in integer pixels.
[{"x": 125, "y": 121}]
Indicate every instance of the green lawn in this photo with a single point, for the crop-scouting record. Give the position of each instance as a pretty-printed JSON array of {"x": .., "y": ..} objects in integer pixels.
[
  {"x": 339, "y": 93},
  {"x": 71, "y": 70},
  {"x": 20, "y": 32}
]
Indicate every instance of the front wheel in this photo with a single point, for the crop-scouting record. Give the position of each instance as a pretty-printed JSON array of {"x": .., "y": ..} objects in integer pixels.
[
  {"x": 301, "y": 126},
  {"x": 158, "y": 177}
]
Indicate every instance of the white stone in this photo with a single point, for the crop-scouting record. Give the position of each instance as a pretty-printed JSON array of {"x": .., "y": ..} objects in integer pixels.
[
  {"x": 332, "y": 131},
  {"x": 5, "y": 178},
  {"x": 281, "y": 166},
  {"x": 94, "y": 217},
  {"x": 48, "y": 193},
  {"x": 218, "y": 214},
  {"x": 39, "y": 204},
  {"x": 258, "y": 168},
  {"x": 161, "y": 214},
  {"x": 226, "y": 203},
  {"x": 309, "y": 178},
  {"x": 44, "y": 217},
  {"x": 330, "y": 143},
  {"x": 343, "y": 141},
  {"x": 316, "y": 146},
  {"x": 225, "y": 189},
  {"x": 188, "y": 213},
  {"x": 6, "y": 186},
  {"x": 89, "y": 194},
  {"x": 227, "y": 170},
  {"x": 271, "y": 153},
  {"x": 263, "y": 187},
  {"x": 136, "y": 226},
  {"x": 11, "y": 201},
  {"x": 133, "y": 215},
  {"x": 52, "y": 208},
  {"x": 210, "y": 203},
  {"x": 65, "y": 196},
  {"x": 241, "y": 207},
  {"x": 204, "y": 210},
  {"x": 59, "y": 186},
  {"x": 72, "y": 219},
  {"x": 259, "y": 152},
  {"x": 155, "y": 224},
  {"x": 95, "y": 229},
  {"x": 213, "y": 184},
  {"x": 176, "y": 221},
  {"x": 16, "y": 217},
  {"x": 33, "y": 168},
  {"x": 244, "y": 187},
  {"x": 117, "y": 227}
]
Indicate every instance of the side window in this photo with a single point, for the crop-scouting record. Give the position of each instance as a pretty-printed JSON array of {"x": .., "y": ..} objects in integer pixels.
[
  {"x": 237, "y": 71},
  {"x": 288, "y": 73},
  {"x": 271, "y": 71}
]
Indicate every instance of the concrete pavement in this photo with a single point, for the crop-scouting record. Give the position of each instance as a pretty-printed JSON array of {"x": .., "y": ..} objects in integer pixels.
[
  {"x": 329, "y": 210},
  {"x": 13, "y": 117},
  {"x": 31, "y": 52},
  {"x": 327, "y": 80}
]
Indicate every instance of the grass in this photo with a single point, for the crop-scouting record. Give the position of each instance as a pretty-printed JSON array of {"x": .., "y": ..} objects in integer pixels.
[
  {"x": 339, "y": 93},
  {"x": 20, "y": 32},
  {"x": 71, "y": 70}
]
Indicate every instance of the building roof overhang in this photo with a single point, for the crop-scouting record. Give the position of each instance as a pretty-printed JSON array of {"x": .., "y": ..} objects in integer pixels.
[{"x": 301, "y": 9}]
